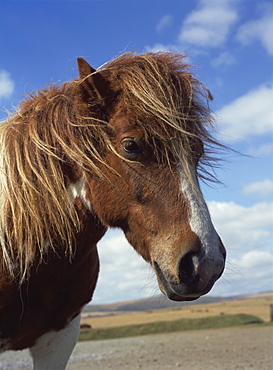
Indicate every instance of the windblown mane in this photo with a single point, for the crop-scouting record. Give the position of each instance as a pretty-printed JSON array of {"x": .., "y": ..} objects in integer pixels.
[
  {"x": 161, "y": 86},
  {"x": 54, "y": 127}
]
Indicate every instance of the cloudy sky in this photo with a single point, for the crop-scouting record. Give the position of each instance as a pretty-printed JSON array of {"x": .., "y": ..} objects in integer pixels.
[{"x": 231, "y": 45}]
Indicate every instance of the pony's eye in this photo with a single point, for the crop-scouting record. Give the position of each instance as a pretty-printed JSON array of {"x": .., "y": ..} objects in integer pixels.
[{"x": 130, "y": 146}]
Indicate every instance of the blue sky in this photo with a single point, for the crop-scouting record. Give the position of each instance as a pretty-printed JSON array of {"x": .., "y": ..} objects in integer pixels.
[{"x": 230, "y": 42}]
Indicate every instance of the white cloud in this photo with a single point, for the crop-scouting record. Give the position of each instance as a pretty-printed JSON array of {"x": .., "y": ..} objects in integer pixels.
[
  {"x": 224, "y": 59},
  {"x": 244, "y": 231},
  {"x": 161, "y": 47},
  {"x": 253, "y": 258},
  {"x": 263, "y": 150},
  {"x": 206, "y": 27},
  {"x": 252, "y": 273},
  {"x": 243, "y": 228},
  {"x": 248, "y": 115},
  {"x": 6, "y": 84},
  {"x": 260, "y": 29},
  {"x": 209, "y": 26},
  {"x": 124, "y": 275},
  {"x": 247, "y": 233},
  {"x": 164, "y": 22},
  {"x": 262, "y": 189}
]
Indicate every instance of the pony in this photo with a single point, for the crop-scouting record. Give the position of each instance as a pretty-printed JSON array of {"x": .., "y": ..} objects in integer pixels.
[{"x": 122, "y": 146}]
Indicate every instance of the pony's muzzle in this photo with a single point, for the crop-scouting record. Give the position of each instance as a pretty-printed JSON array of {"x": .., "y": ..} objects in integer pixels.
[{"x": 196, "y": 274}]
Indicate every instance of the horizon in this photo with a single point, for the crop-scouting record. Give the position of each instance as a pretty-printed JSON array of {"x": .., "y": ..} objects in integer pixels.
[{"x": 161, "y": 295}]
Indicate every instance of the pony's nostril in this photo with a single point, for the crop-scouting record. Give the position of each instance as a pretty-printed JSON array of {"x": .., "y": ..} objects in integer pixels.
[{"x": 186, "y": 267}]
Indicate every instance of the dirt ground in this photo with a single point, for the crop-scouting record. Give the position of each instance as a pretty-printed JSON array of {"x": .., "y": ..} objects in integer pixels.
[{"x": 225, "y": 349}]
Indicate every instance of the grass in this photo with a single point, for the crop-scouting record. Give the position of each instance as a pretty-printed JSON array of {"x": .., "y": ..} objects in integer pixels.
[
  {"x": 259, "y": 307},
  {"x": 221, "y": 321}
]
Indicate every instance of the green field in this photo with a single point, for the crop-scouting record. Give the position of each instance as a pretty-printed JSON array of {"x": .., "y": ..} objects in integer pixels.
[{"x": 169, "y": 326}]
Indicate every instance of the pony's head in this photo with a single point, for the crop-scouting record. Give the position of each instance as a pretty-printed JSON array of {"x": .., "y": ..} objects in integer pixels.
[{"x": 155, "y": 121}]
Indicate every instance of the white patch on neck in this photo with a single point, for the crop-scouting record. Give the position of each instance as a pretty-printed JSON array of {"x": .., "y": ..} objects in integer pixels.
[
  {"x": 78, "y": 190},
  {"x": 53, "y": 349},
  {"x": 200, "y": 220}
]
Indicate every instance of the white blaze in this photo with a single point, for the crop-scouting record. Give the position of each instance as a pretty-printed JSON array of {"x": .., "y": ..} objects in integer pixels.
[{"x": 200, "y": 220}]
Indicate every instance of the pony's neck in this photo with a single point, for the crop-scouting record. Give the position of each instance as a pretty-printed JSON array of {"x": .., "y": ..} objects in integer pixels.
[{"x": 77, "y": 186}]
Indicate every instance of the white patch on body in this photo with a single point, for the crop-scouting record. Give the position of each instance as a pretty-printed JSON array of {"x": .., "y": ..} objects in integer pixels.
[
  {"x": 53, "y": 349},
  {"x": 77, "y": 189}
]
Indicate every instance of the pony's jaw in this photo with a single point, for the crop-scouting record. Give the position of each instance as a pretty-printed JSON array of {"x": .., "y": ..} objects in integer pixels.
[{"x": 202, "y": 258}]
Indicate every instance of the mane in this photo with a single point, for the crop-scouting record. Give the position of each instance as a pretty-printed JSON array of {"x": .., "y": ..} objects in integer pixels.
[
  {"x": 54, "y": 128},
  {"x": 162, "y": 87},
  {"x": 37, "y": 142}
]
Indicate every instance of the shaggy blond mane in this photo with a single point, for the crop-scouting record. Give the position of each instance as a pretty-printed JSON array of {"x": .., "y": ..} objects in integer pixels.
[{"x": 54, "y": 126}]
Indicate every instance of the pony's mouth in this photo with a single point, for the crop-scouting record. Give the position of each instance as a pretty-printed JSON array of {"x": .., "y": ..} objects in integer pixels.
[{"x": 183, "y": 290}]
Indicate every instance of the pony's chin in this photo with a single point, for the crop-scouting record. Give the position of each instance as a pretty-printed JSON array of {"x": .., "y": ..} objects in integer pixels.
[
  {"x": 178, "y": 298},
  {"x": 184, "y": 294}
]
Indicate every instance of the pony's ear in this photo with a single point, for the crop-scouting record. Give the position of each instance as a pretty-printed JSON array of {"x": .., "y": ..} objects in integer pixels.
[
  {"x": 93, "y": 84},
  {"x": 84, "y": 68}
]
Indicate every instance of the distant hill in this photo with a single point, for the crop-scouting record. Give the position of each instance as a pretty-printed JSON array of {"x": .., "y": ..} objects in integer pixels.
[
  {"x": 147, "y": 304},
  {"x": 161, "y": 301}
]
